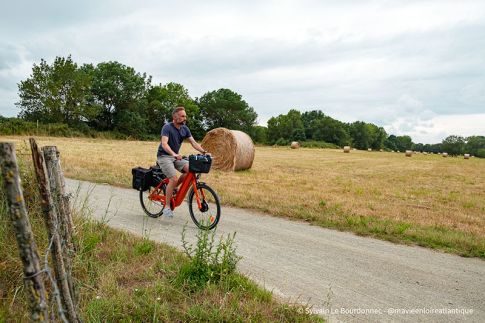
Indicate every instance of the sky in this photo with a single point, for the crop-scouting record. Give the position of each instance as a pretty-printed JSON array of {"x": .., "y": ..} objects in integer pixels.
[{"x": 416, "y": 68}]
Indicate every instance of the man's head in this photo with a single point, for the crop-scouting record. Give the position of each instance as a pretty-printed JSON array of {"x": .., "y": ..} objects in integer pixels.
[{"x": 179, "y": 116}]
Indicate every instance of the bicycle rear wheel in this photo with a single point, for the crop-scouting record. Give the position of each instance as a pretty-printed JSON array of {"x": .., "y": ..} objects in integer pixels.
[
  {"x": 209, "y": 214},
  {"x": 152, "y": 208}
]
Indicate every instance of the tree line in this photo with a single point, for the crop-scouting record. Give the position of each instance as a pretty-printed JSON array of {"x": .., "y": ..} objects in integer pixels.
[
  {"x": 113, "y": 98},
  {"x": 315, "y": 125}
]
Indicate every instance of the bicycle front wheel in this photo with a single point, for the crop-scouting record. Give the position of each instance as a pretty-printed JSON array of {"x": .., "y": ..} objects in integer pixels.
[
  {"x": 152, "y": 208},
  {"x": 207, "y": 216}
]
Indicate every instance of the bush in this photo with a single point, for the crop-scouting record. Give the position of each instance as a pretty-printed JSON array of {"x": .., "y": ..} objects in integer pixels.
[
  {"x": 480, "y": 153},
  {"x": 282, "y": 142},
  {"x": 208, "y": 263},
  {"x": 318, "y": 144}
]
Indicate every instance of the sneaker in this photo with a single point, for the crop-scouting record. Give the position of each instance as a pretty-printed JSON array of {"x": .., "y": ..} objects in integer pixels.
[{"x": 168, "y": 213}]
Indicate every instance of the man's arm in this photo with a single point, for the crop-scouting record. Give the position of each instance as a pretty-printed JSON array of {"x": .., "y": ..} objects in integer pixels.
[{"x": 196, "y": 145}]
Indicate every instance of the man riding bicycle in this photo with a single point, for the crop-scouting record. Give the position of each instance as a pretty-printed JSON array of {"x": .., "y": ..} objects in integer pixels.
[{"x": 168, "y": 157}]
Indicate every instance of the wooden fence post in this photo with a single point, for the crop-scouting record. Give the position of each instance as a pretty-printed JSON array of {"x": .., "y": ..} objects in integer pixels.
[
  {"x": 61, "y": 200},
  {"x": 34, "y": 282},
  {"x": 50, "y": 217}
]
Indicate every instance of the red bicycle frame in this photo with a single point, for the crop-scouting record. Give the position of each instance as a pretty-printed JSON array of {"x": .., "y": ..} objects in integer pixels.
[{"x": 189, "y": 180}]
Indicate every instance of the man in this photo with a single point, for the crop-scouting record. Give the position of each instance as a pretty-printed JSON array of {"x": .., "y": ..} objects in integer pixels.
[{"x": 168, "y": 157}]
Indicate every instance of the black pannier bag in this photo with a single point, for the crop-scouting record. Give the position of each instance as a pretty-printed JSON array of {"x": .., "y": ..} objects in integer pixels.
[
  {"x": 200, "y": 163},
  {"x": 142, "y": 178}
]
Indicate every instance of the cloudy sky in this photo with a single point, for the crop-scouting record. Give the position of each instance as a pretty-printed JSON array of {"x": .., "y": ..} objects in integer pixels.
[{"x": 414, "y": 67}]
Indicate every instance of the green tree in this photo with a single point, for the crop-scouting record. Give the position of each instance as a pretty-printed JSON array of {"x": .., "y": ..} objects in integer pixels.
[
  {"x": 259, "y": 134},
  {"x": 378, "y": 136},
  {"x": 225, "y": 108},
  {"x": 330, "y": 130},
  {"x": 56, "y": 93},
  {"x": 309, "y": 118},
  {"x": 404, "y": 143},
  {"x": 453, "y": 145},
  {"x": 162, "y": 99},
  {"x": 361, "y": 134},
  {"x": 391, "y": 142},
  {"x": 474, "y": 144},
  {"x": 118, "y": 90},
  {"x": 286, "y": 127}
]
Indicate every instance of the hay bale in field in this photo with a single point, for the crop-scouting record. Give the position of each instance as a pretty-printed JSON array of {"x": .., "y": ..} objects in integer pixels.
[
  {"x": 295, "y": 145},
  {"x": 232, "y": 149},
  {"x": 381, "y": 150},
  {"x": 467, "y": 156},
  {"x": 346, "y": 149},
  {"x": 369, "y": 149},
  {"x": 444, "y": 154},
  {"x": 409, "y": 153}
]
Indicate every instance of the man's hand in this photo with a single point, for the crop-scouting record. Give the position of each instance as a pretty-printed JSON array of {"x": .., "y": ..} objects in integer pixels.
[{"x": 177, "y": 156}]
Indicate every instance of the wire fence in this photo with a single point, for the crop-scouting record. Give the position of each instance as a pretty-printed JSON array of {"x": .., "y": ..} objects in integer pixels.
[{"x": 58, "y": 220}]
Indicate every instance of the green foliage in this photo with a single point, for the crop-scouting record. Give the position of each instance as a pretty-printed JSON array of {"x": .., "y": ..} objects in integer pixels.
[
  {"x": 453, "y": 145},
  {"x": 208, "y": 263},
  {"x": 281, "y": 142},
  {"x": 259, "y": 134},
  {"x": 475, "y": 145},
  {"x": 162, "y": 99},
  {"x": 225, "y": 108},
  {"x": 287, "y": 127},
  {"x": 480, "y": 153},
  {"x": 318, "y": 144},
  {"x": 56, "y": 93},
  {"x": 330, "y": 130},
  {"x": 367, "y": 135},
  {"x": 398, "y": 143},
  {"x": 118, "y": 91}
]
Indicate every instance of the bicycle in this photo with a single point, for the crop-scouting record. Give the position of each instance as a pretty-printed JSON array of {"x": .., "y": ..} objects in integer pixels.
[{"x": 203, "y": 202}]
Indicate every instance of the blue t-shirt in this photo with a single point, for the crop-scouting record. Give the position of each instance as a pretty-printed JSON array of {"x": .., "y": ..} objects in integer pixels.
[{"x": 175, "y": 138}]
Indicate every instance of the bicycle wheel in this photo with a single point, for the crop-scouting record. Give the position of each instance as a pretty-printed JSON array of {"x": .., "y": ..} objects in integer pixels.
[
  {"x": 152, "y": 208},
  {"x": 208, "y": 215}
]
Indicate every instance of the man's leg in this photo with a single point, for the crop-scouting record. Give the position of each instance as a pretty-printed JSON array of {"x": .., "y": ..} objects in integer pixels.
[
  {"x": 182, "y": 177},
  {"x": 171, "y": 185},
  {"x": 168, "y": 168}
]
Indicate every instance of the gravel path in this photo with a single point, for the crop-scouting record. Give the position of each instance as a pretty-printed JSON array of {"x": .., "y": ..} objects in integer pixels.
[{"x": 342, "y": 276}]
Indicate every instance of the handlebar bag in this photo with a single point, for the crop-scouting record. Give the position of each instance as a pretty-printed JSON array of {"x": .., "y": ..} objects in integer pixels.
[{"x": 200, "y": 163}]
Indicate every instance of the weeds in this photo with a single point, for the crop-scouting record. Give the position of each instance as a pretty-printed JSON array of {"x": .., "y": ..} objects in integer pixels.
[{"x": 208, "y": 263}]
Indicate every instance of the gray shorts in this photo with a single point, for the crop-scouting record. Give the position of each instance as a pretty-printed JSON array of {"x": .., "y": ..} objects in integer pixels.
[{"x": 168, "y": 164}]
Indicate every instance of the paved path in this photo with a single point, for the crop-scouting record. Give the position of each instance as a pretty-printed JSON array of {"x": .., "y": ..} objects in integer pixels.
[{"x": 339, "y": 274}]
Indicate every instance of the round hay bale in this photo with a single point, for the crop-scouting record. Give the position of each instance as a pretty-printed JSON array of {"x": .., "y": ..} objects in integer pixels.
[
  {"x": 381, "y": 150},
  {"x": 467, "y": 156},
  {"x": 369, "y": 149},
  {"x": 232, "y": 149},
  {"x": 445, "y": 154},
  {"x": 295, "y": 145},
  {"x": 346, "y": 149},
  {"x": 409, "y": 153}
]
